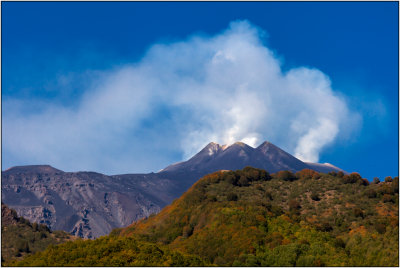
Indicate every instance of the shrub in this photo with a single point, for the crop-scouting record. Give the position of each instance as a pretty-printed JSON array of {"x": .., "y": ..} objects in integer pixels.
[
  {"x": 376, "y": 180},
  {"x": 380, "y": 228},
  {"x": 285, "y": 175},
  {"x": 388, "y": 179},
  {"x": 43, "y": 228},
  {"x": 231, "y": 178},
  {"x": 276, "y": 210},
  {"x": 268, "y": 195},
  {"x": 294, "y": 205},
  {"x": 22, "y": 246},
  {"x": 243, "y": 181},
  {"x": 324, "y": 227},
  {"x": 339, "y": 243},
  {"x": 340, "y": 174},
  {"x": 232, "y": 197},
  {"x": 387, "y": 198},
  {"x": 358, "y": 212},
  {"x": 332, "y": 173},
  {"x": 187, "y": 231},
  {"x": 371, "y": 193},
  {"x": 316, "y": 176},
  {"x": 352, "y": 178},
  {"x": 306, "y": 174},
  {"x": 212, "y": 198},
  {"x": 22, "y": 220}
]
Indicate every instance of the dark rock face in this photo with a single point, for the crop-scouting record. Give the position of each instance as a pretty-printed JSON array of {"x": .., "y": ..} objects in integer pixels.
[
  {"x": 86, "y": 204},
  {"x": 89, "y": 204}
]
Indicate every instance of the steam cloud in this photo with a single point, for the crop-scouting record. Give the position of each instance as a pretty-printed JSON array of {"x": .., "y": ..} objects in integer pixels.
[{"x": 225, "y": 88}]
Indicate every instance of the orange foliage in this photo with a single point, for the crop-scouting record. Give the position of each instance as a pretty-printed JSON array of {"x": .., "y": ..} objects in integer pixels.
[
  {"x": 360, "y": 230},
  {"x": 307, "y": 174}
]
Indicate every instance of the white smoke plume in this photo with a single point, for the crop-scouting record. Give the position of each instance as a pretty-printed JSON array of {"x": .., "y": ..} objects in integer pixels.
[{"x": 177, "y": 98}]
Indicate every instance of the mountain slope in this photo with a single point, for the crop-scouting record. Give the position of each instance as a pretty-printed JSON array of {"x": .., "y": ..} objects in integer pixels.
[
  {"x": 249, "y": 218},
  {"x": 19, "y": 237},
  {"x": 245, "y": 218},
  {"x": 90, "y": 204},
  {"x": 324, "y": 168},
  {"x": 111, "y": 251},
  {"x": 86, "y": 204}
]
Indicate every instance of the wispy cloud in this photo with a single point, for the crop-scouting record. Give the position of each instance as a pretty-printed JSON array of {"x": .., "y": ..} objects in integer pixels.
[{"x": 179, "y": 97}]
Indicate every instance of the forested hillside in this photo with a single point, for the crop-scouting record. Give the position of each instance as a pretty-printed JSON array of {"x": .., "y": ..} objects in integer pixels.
[
  {"x": 19, "y": 237},
  {"x": 251, "y": 218}
]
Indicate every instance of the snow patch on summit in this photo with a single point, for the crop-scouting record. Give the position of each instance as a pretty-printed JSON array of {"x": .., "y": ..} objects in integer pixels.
[{"x": 210, "y": 151}]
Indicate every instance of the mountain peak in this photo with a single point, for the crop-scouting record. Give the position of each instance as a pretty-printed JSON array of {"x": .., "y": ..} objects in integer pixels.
[
  {"x": 212, "y": 144},
  {"x": 234, "y": 156},
  {"x": 33, "y": 169},
  {"x": 212, "y": 148},
  {"x": 242, "y": 144},
  {"x": 264, "y": 144}
]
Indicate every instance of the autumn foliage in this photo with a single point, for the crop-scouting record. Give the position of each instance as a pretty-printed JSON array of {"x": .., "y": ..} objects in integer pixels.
[{"x": 252, "y": 218}]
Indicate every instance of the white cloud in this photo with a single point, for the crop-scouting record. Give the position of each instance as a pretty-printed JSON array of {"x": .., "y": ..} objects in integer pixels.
[{"x": 180, "y": 96}]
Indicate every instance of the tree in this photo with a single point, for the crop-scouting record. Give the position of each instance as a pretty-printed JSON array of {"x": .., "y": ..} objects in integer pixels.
[
  {"x": 376, "y": 180},
  {"x": 352, "y": 178},
  {"x": 388, "y": 179},
  {"x": 243, "y": 181},
  {"x": 395, "y": 185},
  {"x": 306, "y": 174}
]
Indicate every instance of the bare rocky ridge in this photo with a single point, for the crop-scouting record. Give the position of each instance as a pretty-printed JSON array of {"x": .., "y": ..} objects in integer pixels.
[
  {"x": 89, "y": 204},
  {"x": 86, "y": 204}
]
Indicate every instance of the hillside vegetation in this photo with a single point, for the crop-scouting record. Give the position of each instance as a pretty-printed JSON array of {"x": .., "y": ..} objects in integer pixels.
[
  {"x": 111, "y": 251},
  {"x": 251, "y": 218},
  {"x": 20, "y": 238}
]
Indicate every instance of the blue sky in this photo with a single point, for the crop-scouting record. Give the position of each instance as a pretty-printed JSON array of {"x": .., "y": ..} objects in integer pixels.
[{"x": 135, "y": 86}]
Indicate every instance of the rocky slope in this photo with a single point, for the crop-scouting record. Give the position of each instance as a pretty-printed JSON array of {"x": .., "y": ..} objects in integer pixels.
[
  {"x": 89, "y": 204},
  {"x": 86, "y": 204}
]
